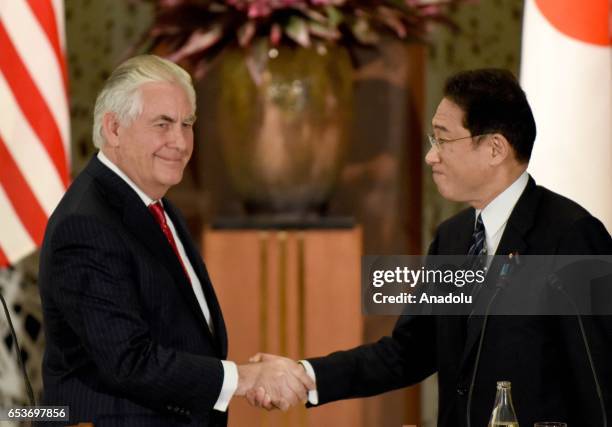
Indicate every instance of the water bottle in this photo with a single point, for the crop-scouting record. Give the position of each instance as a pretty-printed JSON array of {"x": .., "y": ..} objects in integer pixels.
[{"x": 503, "y": 414}]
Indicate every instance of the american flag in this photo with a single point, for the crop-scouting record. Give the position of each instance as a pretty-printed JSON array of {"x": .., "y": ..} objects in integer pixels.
[{"x": 34, "y": 122}]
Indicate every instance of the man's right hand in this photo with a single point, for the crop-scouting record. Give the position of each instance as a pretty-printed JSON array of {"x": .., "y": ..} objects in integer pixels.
[{"x": 271, "y": 381}]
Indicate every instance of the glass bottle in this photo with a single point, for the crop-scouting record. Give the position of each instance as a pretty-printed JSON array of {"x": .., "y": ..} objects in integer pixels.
[{"x": 503, "y": 414}]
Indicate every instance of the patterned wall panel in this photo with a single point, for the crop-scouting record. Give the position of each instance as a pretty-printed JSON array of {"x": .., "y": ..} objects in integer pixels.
[{"x": 99, "y": 34}]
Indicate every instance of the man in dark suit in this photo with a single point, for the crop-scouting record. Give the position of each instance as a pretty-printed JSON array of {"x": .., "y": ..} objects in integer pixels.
[
  {"x": 483, "y": 136},
  {"x": 134, "y": 331}
]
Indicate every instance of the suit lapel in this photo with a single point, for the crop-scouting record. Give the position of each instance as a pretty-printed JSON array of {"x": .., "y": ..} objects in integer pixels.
[
  {"x": 196, "y": 261},
  {"x": 521, "y": 220},
  {"x": 139, "y": 221},
  {"x": 459, "y": 241},
  {"x": 143, "y": 225},
  {"x": 475, "y": 323}
]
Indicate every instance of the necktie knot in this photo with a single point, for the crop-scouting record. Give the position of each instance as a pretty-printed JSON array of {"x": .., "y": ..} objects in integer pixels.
[
  {"x": 157, "y": 210},
  {"x": 479, "y": 224},
  {"x": 478, "y": 246},
  {"x": 477, "y": 254}
]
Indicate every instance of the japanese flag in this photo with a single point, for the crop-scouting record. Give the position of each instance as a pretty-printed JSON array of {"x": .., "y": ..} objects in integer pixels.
[{"x": 566, "y": 71}]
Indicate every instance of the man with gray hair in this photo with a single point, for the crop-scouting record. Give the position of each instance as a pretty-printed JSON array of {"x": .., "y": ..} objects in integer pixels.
[{"x": 134, "y": 332}]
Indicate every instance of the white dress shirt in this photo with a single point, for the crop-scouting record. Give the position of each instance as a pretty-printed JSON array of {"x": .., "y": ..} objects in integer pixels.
[
  {"x": 230, "y": 377},
  {"x": 494, "y": 216}
]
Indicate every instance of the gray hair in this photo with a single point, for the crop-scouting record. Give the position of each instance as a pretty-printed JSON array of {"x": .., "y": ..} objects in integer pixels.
[{"x": 121, "y": 92}]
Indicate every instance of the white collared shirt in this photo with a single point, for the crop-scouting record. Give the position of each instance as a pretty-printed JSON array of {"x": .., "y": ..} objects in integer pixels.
[
  {"x": 230, "y": 379},
  {"x": 496, "y": 214}
]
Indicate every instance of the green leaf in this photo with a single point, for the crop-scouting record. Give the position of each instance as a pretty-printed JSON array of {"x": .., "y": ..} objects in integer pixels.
[
  {"x": 297, "y": 30},
  {"x": 315, "y": 16},
  {"x": 392, "y": 19},
  {"x": 199, "y": 41},
  {"x": 324, "y": 31},
  {"x": 334, "y": 15},
  {"x": 217, "y": 8},
  {"x": 363, "y": 32}
]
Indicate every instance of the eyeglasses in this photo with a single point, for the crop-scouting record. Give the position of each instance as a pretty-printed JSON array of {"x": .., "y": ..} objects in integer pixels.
[{"x": 437, "y": 142}]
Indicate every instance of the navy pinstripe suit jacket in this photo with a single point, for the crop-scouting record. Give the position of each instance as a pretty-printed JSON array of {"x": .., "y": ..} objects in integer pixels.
[{"x": 126, "y": 341}]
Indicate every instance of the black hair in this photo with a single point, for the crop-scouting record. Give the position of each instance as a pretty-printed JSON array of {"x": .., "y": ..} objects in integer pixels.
[{"x": 493, "y": 102}]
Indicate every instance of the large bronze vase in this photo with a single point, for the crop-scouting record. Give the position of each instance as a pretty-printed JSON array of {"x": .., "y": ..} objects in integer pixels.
[{"x": 284, "y": 122}]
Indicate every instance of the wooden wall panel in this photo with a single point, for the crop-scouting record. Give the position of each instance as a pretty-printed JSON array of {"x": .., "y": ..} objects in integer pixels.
[{"x": 295, "y": 293}]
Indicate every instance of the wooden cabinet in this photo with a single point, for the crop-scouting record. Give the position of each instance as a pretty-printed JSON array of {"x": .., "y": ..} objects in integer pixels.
[{"x": 295, "y": 293}]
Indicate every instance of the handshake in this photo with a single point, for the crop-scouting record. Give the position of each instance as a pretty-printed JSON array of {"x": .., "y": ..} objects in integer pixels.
[{"x": 273, "y": 382}]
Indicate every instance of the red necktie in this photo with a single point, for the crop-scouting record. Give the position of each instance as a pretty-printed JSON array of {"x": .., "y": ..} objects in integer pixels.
[{"x": 157, "y": 210}]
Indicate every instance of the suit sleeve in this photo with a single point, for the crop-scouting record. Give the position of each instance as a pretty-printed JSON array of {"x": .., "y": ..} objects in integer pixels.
[
  {"x": 406, "y": 357},
  {"x": 94, "y": 288},
  {"x": 588, "y": 236}
]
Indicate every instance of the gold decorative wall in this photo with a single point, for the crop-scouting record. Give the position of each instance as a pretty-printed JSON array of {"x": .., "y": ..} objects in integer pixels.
[{"x": 98, "y": 35}]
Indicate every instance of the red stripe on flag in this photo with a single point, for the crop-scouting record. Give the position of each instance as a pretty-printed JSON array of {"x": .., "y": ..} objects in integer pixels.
[
  {"x": 43, "y": 11},
  {"x": 32, "y": 104},
  {"x": 30, "y": 213},
  {"x": 3, "y": 259}
]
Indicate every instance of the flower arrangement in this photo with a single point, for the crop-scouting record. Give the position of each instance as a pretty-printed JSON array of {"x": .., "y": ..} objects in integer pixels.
[{"x": 195, "y": 31}]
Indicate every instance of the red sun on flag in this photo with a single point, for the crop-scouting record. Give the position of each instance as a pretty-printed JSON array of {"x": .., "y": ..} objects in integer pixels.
[
  {"x": 580, "y": 20},
  {"x": 566, "y": 72}
]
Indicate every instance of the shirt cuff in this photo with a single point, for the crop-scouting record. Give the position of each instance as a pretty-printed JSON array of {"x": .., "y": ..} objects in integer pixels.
[
  {"x": 230, "y": 384},
  {"x": 313, "y": 395}
]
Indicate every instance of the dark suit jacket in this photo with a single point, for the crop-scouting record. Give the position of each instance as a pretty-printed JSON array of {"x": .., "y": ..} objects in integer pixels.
[
  {"x": 543, "y": 356},
  {"x": 126, "y": 341}
]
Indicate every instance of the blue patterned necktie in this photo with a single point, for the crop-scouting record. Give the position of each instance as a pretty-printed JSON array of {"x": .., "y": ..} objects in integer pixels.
[{"x": 477, "y": 254}]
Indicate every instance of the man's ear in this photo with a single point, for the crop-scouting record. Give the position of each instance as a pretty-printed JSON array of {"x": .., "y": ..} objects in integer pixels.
[
  {"x": 500, "y": 148},
  {"x": 110, "y": 129}
]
